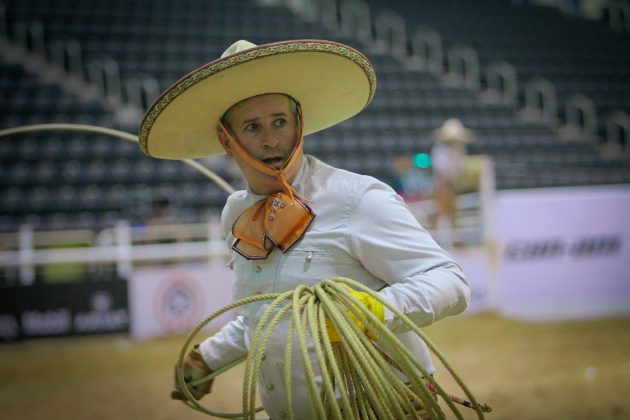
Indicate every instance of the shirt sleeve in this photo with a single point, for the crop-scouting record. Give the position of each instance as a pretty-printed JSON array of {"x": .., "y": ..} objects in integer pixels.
[
  {"x": 423, "y": 281},
  {"x": 226, "y": 345},
  {"x": 229, "y": 343}
]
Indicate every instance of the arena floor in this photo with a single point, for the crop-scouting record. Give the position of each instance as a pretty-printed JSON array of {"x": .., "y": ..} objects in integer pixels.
[{"x": 573, "y": 370}]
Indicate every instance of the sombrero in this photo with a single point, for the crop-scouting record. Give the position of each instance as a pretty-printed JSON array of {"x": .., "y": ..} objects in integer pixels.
[
  {"x": 332, "y": 82},
  {"x": 453, "y": 131}
]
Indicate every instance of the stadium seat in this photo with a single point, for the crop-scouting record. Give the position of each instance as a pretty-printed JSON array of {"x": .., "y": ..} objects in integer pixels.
[{"x": 73, "y": 170}]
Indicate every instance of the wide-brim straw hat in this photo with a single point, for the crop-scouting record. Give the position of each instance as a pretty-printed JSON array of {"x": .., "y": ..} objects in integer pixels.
[
  {"x": 331, "y": 81},
  {"x": 453, "y": 131}
]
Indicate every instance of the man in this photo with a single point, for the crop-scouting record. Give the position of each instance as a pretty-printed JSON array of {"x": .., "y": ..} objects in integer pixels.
[
  {"x": 448, "y": 154},
  {"x": 299, "y": 221}
]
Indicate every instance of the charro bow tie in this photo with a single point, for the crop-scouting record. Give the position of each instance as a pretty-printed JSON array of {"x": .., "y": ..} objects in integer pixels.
[{"x": 277, "y": 221}]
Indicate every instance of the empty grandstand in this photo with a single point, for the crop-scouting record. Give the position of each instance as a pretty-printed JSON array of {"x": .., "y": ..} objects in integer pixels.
[{"x": 103, "y": 62}]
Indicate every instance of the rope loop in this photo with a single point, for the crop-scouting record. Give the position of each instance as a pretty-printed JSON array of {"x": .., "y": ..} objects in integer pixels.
[{"x": 359, "y": 377}]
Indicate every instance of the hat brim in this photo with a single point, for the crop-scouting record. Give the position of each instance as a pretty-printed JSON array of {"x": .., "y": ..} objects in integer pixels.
[
  {"x": 463, "y": 136},
  {"x": 332, "y": 82}
]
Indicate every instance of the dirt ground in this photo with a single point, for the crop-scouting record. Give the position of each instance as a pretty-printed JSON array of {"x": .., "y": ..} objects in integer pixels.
[{"x": 571, "y": 370}]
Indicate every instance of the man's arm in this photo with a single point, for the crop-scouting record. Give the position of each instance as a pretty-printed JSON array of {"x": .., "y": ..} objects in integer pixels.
[
  {"x": 424, "y": 282},
  {"x": 222, "y": 348},
  {"x": 225, "y": 346},
  {"x": 228, "y": 344}
]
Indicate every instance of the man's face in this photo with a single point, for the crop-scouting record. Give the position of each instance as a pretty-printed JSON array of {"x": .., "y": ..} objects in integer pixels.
[{"x": 267, "y": 128}]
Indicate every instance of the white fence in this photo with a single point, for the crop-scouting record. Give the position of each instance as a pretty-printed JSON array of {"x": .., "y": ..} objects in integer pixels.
[{"x": 559, "y": 253}]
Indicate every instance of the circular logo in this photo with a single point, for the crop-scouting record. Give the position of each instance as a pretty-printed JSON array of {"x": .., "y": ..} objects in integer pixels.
[
  {"x": 101, "y": 301},
  {"x": 178, "y": 303}
]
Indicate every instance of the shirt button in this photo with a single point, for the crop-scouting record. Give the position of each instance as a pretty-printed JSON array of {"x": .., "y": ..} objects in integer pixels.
[
  {"x": 309, "y": 257},
  {"x": 270, "y": 387},
  {"x": 264, "y": 357},
  {"x": 283, "y": 415},
  {"x": 258, "y": 269}
]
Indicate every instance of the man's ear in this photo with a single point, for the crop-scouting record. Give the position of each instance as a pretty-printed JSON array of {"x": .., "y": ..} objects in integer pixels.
[{"x": 224, "y": 141}]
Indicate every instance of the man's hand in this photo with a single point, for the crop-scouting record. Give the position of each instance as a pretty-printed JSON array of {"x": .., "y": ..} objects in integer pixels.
[
  {"x": 373, "y": 305},
  {"x": 194, "y": 368}
]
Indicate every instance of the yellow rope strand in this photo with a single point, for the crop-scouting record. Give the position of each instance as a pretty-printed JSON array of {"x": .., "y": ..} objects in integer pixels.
[
  {"x": 190, "y": 400},
  {"x": 255, "y": 357},
  {"x": 328, "y": 391},
  {"x": 372, "y": 356},
  {"x": 316, "y": 404},
  {"x": 360, "y": 361},
  {"x": 380, "y": 328},
  {"x": 327, "y": 357},
  {"x": 479, "y": 409},
  {"x": 113, "y": 133}
]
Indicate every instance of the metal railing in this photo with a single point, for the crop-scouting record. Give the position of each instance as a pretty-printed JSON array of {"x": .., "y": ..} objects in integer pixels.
[
  {"x": 618, "y": 131},
  {"x": 541, "y": 100},
  {"x": 62, "y": 61},
  {"x": 390, "y": 35},
  {"x": 501, "y": 83},
  {"x": 581, "y": 116},
  {"x": 426, "y": 51},
  {"x": 123, "y": 245}
]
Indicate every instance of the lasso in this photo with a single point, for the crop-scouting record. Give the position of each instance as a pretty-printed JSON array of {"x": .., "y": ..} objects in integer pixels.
[
  {"x": 110, "y": 132},
  {"x": 362, "y": 369}
]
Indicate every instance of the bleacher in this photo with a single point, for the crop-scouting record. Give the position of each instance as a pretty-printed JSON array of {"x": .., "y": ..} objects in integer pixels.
[
  {"x": 576, "y": 54},
  {"x": 64, "y": 180}
]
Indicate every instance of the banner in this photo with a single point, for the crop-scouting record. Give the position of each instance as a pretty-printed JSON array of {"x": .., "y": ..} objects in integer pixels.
[
  {"x": 565, "y": 252},
  {"x": 480, "y": 270},
  {"x": 173, "y": 300},
  {"x": 48, "y": 310}
]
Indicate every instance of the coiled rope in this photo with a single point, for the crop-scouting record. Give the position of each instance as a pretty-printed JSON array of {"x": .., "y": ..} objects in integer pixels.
[{"x": 358, "y": 374}]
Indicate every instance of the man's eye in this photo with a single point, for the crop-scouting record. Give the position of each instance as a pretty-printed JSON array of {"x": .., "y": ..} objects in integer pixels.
[
  {"x": 280, "y": 122},
  {"x": 251, "y": 127}
]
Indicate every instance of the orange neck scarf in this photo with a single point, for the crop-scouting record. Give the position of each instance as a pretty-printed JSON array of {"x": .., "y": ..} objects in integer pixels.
[{"x": 281, "y": 219}]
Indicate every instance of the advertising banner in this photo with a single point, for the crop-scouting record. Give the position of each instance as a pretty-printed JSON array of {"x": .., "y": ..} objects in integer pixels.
[
  {"x": 48, "y": 310},
  {"x": 565, "y": 252},
  {"x": 173, "y": 300},
  {"x": 480, "y": 270}
]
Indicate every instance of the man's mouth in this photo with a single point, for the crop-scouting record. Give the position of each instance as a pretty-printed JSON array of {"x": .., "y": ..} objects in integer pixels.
[{"x": 275, "y": 162}]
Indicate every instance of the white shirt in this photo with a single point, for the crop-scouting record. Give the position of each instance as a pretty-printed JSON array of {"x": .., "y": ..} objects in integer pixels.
[
  {"x": 362, "y": 230},
  {"x": 448, "y": 159}
]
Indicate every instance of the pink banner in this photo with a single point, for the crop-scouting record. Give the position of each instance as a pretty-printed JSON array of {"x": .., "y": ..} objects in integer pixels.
[
  {"x": 565, "y": 252},
  {"x": 173, "y": 300}
]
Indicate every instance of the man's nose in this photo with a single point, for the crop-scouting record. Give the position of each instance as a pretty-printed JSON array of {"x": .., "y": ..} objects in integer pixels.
[{"x": 269, "y": 140}]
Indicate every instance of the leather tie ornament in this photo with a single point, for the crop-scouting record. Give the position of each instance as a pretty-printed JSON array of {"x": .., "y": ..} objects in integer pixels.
[{"x": 275, "y": 221}]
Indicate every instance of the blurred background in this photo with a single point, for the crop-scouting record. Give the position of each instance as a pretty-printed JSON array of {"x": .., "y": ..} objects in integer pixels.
[{"x": 108, "y": 256}]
